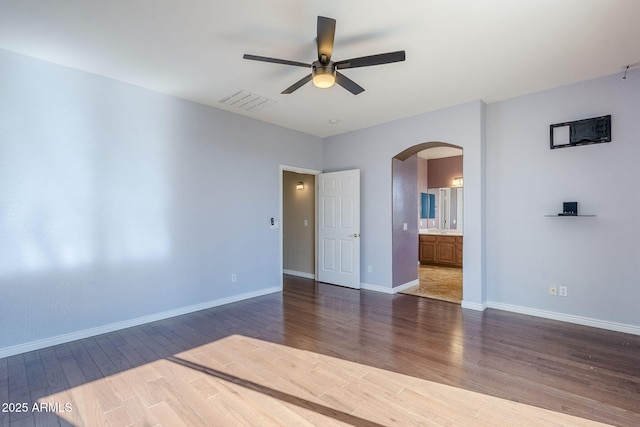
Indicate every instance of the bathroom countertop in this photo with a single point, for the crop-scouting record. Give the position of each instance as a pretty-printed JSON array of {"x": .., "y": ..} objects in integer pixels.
[{"x": 445, "y": 232}]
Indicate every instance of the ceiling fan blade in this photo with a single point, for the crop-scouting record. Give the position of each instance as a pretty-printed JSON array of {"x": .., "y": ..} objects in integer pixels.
[
  {"x": 326, "y": 33},
  {"x": 297, "y": 85},
  {"x": 367, "y": 61},
  {"x": 348, "y": 84},
  {"x": 275, "y": 60}
]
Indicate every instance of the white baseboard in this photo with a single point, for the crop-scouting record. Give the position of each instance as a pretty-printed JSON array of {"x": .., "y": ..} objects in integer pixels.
[
  {"x": 406, "y": 286},
  {"x": 299, "y": 274},
  {"x": 60, "y": 339},
  {"x": 570, "y": 318},
  {"x": 64, "y": 338},
  {"x": 385, "y": 290},
  {"x": 473, "y": 305},
  {"x": 376, "y": 288}
]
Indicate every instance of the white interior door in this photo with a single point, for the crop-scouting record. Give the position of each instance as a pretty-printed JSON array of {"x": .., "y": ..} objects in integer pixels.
[{"x": 339, "y": 228}]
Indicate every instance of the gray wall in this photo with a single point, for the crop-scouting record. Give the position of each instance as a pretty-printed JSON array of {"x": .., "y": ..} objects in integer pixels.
[
  {"x": 596, "y": 258},
  {"x": 512, "y": 184},
  {"x": 371, "y": 151},
  {"x": 118, "y": 203}
]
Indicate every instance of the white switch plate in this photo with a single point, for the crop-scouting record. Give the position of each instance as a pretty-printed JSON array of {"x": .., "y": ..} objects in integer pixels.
[{"x": 404, "y": 226}]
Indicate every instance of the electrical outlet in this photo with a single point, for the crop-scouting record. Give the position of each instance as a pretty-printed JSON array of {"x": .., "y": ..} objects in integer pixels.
[
  {"x": 234, "y": 278},
  {"x": 553, "y": 290},
  {"x": 562, "y": 291},
  {"x": 369, "y": 269}
]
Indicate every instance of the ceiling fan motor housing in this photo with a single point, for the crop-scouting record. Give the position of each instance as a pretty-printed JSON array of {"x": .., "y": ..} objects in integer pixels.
[{"x": 323, "y": 75}]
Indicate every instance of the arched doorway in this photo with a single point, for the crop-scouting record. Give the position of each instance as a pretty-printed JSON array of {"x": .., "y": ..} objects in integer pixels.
[{"x": 428, "y": 221}]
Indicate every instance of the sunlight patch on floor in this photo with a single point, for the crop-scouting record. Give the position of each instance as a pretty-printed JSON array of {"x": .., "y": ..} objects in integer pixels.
[{"x": 239, "y": 380}]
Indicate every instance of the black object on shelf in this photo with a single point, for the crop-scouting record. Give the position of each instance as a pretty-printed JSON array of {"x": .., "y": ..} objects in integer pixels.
[{"x": 569, "y": 209}]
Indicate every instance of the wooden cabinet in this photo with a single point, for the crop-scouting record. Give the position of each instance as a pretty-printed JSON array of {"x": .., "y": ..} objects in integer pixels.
[
  {"x": 427, "y": 249},
  {"x": 446, "y": 250},
  {"x": 440, "y": 250},
  {"x": 459, "y": 251}
]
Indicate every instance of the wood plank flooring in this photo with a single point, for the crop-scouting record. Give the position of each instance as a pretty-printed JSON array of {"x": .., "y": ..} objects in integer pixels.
[{"x": 318, "y": 354}]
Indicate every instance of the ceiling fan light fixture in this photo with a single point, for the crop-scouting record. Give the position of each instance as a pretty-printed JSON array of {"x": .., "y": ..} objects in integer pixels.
[
  {"x": 324, "y": 81},
  {"x": 323, "y": 76}
]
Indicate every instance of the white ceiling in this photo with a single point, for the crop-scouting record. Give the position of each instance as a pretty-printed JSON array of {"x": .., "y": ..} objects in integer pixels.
[
  {"x": 440, "y": 152},
  {"x": 457, "y": 50}
]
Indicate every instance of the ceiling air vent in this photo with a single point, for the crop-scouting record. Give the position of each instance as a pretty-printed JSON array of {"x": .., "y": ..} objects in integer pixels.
[{"x": 247, "y": 101}]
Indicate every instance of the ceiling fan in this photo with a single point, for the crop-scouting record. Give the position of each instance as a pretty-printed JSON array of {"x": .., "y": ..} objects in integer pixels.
[{"x": 324, "y": 71}]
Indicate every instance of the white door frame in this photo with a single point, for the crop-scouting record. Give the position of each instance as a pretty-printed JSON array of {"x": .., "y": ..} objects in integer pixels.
[{"x": 314, "y": 172}]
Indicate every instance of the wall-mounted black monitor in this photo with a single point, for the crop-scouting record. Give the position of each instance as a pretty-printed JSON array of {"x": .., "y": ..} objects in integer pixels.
[{"x": 581, "y": 132}]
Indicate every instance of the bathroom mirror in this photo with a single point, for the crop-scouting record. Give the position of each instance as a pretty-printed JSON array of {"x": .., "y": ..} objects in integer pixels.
[{"x": 442, "y": 208}]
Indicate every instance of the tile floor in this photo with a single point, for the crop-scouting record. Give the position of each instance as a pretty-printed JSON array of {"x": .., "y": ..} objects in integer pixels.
[{"x": 441, "y": 283}]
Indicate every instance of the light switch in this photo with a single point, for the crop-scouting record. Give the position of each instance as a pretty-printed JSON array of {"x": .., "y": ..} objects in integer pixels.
[
  {"x": 404, "y": 226},
  {"x": 306, "y": 223}
]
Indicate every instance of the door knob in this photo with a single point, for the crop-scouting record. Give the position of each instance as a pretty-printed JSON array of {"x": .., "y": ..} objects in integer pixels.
[{"x": 355, "y": 235}]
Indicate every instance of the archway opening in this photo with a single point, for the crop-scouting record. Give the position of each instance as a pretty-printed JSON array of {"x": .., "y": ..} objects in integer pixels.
[{"x": 428, "y": 205}]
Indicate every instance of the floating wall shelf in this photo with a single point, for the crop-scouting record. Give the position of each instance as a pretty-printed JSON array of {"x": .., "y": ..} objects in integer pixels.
[
  {"x": 569, "y": 209},
  {"x": 567, "y": 216}
]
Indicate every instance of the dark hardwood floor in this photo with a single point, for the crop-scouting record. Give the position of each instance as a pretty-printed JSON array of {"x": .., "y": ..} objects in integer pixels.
[{"x": 585, "y": 372}]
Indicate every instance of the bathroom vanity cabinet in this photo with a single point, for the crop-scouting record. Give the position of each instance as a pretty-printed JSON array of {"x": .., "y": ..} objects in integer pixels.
[{"x": 442, "y": 250}]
